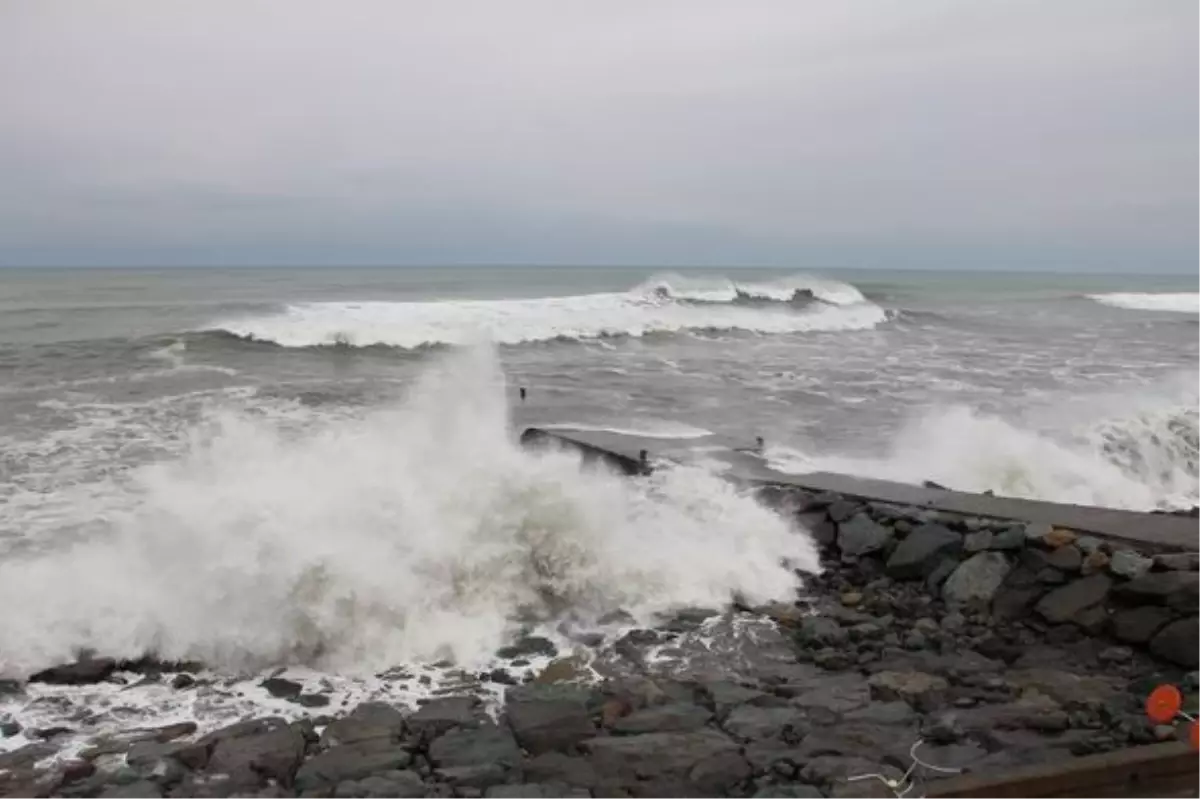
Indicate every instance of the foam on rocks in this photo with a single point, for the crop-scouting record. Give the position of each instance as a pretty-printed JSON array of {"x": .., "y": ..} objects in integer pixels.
[{"x": 997, "y": 645}]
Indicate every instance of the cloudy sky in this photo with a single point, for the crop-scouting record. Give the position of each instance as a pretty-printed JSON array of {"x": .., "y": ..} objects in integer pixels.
[{"x": 909, "y": 133}]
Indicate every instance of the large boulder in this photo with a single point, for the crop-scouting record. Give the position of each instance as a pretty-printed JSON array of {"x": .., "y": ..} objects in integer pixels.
[
  {"x": 438, "y": 715},
  {"x": 925, "y": 692},
  {"x": 348, "y": 762},
  {"x": 861, "y": 536},
  {"x": 547, "y": 718},
  {"x": 700, "y": 763},
  {"x": 750, "y": 723},
  {"x": 1177, "y": 589},
  {"x": 1138, "y": 625},
  {"x": 977, "y": 579},
  {"x": 922, "y": 550},
  {"x": 250, "y": 758},
  {"x": 1178, "y": 642},
  {"x": 84, "y": 671},
  {"x": 368, "y": 721},
  {"x": 1068, "y": 602},
  {"x": 675, "y": 717}
]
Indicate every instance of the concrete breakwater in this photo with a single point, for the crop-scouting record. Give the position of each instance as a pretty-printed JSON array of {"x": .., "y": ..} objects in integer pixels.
[{"x": 963, "y": 643}]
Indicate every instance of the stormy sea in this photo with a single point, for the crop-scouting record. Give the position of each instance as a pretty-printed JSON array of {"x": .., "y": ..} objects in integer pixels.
[{"x": 317, "y": 469}]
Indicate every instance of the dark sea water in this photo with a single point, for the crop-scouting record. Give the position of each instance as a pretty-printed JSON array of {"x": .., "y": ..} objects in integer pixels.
[{"x": 315, "y": 466}]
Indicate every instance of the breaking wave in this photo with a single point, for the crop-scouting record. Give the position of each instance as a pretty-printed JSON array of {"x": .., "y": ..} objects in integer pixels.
[
  {"x": 1143, "y": 456},
  {"x": 412, "y": 533},
  {"x": 662, "y": 305},
  {"x": 1178, "y": 302}
]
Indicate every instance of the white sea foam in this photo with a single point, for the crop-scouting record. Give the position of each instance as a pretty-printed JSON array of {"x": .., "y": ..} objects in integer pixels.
[
  {"x": 408, "y": 534},
  {"x": 722, "y": 289},
  {"x": 649, "y": 429},
  {"x": 1141, "y": 457},
  {"x": 638, "y": 312},
  {"x": 1178, "y": 302}
]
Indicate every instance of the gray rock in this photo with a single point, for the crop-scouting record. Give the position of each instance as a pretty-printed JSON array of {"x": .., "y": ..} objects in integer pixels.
[
  {"x": 9, "y": 728},
  {"x": 252, "y": 759},
  {"x": 862, "y": 536},
  {"x": 1065, "y": 688},
  {"x": 552, "y": 768},
  {"x": 398, "y": 784},
  {"x": 85, "y": 671},
  {"x": 1065, "y": 603},
  {"x": 818, "y": 524},
  {"x": 828, "y": 769},
  {"x": 1012, "y": 602},
  {"x": 1066, "y": 558},
  {"x": 479, "y": 777},
  {"x": 25, "y": 756},
  {"x": 1088, "y": 544},
  {"x": 726, "y": 695},
  {"x": 676, "y": 717},
  {"x": 836, "y": 693},
  {"x": 1176, "y": 589},
  {"x": 795, "y": 791},
  {"x": 1012, "y": 538},
  {"x": 143, "y": 789},
  {"x": 703, "y": 763},
  {"x": 1129, "y": 564},
  {"x": 1115, "y": 654},
  {"x": 1138, "y": 625},
  {"x": 533, "y": 790},
  {"x": 1178, "y": 561},
  {"x": 842, "y": 509},
  {"x": 147, "y": 755},
  {"x": 922, "y": 550},
  {"x": 977, "y": 579},
  {"x": 934, "y": 582},
  {"x": 1036, "y": 532},
  {"x": 527, "y": 646},
  {"x": 1178, "y": 642},
  {"x": 281, "y": 688},
  {"x": 925, "y": 692},
  {"x": 350, "y": 762},
  {"x": 1034, "y": 711},
  {"x": 435, "y": 717},
  {"x": 475, "y": 746},
  {"x": 817, "y": 631},
  {"x": 368, "y": 721},
  {"x": 978, "y": 541},
  {"x": 547, "y": 718},
  {"x": 895, "y": 712},
  {"x": 749, "y": 723}
]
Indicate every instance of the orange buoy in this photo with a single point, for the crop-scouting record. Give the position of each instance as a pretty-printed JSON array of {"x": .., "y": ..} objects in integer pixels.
[{"x": 1164, "y": 704}]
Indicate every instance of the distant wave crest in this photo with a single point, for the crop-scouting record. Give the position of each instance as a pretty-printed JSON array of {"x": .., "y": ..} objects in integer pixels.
[
  {"x": 667, "y": 304},
  {"x": 1177, "y": 302}
]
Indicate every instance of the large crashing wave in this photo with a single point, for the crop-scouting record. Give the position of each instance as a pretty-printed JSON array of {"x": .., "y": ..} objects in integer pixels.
[
  {"x": 663, "y": 305},
  {"x": 411, "y": 533},
  {"x": 1177, "y": 302},
  {"x": 1137, "y": 451}
]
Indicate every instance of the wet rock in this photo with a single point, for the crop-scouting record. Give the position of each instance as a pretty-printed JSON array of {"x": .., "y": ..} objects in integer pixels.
[
  {"x": 1138, "y": 625},
  {"x": 379, "y": 721},
  {"x": 397, "y": 784},
  {"x": 750, "y": 723},
  {"x": 922, "y": 550},
  {"x": 837, "y": 693},
  {"x": 1175, "y": 589},
  {"x": 1115, "y": 654},
  {"x": 312, "y": 700},
  {"x": 1063, "y": 604},
  {"x": 147, "y": 755},
  {"x": 978, "y": 541},
  {"x": 252, "y": 758},
  {"x": 1065, "y": 688},
  {"x": 821, "y": 631},
  {"x": 1178, "y": 642},
  {"x": 553, "y": 768},
  {"x": 828, "y": 769},
  {"x": 861, "y": 536},
  {"x": 9, "y": 728},
  {"x": 435, "y": 717},
  {"x": 1129, "y": 564},
  {"x": 564, "y": 670},
  {"x": 841, "y": 510},
  {"x": 794, "y": 791},
  {"x": 1009, "y": 539},
  {"x": 1032, "y": 711},
  {"x": 86, "y": 671},
  {"x": 528, "y": 646},
  {"x": 934, "y": 582},
  {"x": 1066, "y": 558},
  {"x": 281, "y": 688},
  {"x": 349, "y": 762},
  {"x": 1178, "y": 561},
  {"x": 676, "y": 717},
  {"x": 977, "y": 579},
  {"x": 723, "y": 696},
  {"x": 143, "y": 789},
  {"x": 25, "y": 756},
  {"x": 896, "y": 712},
  {"x": 181, "y": 682},
  {"x": 461, "y": 755},
  {"x": 1012, "y": 602},
  {"x": 818, "y": 524},
  {"x": 548, "y": 718},
  {"x": 703, "y": 763},
  {"x": 925, "y": 692}
]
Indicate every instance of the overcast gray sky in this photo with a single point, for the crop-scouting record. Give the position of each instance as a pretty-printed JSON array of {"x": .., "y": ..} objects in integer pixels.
[{"x": 909, "y": 133}]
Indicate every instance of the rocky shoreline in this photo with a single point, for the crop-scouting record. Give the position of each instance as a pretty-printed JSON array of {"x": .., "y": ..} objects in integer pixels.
[{"x": 983, "y": 643}]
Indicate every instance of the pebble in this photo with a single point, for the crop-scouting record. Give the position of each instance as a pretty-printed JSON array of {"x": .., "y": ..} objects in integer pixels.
[{"x": 852, "y": 599}]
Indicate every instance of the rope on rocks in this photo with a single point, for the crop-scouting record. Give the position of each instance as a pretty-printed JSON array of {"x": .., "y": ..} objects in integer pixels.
[{"x": 902, "y": 786}]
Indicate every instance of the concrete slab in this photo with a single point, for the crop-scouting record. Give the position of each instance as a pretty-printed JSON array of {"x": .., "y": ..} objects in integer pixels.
[{"x": 1148, "y": 531}]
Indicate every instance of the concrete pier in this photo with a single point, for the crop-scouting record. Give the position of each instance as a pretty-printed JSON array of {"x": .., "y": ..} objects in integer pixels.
[{"x": 1147, "y": 531}]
